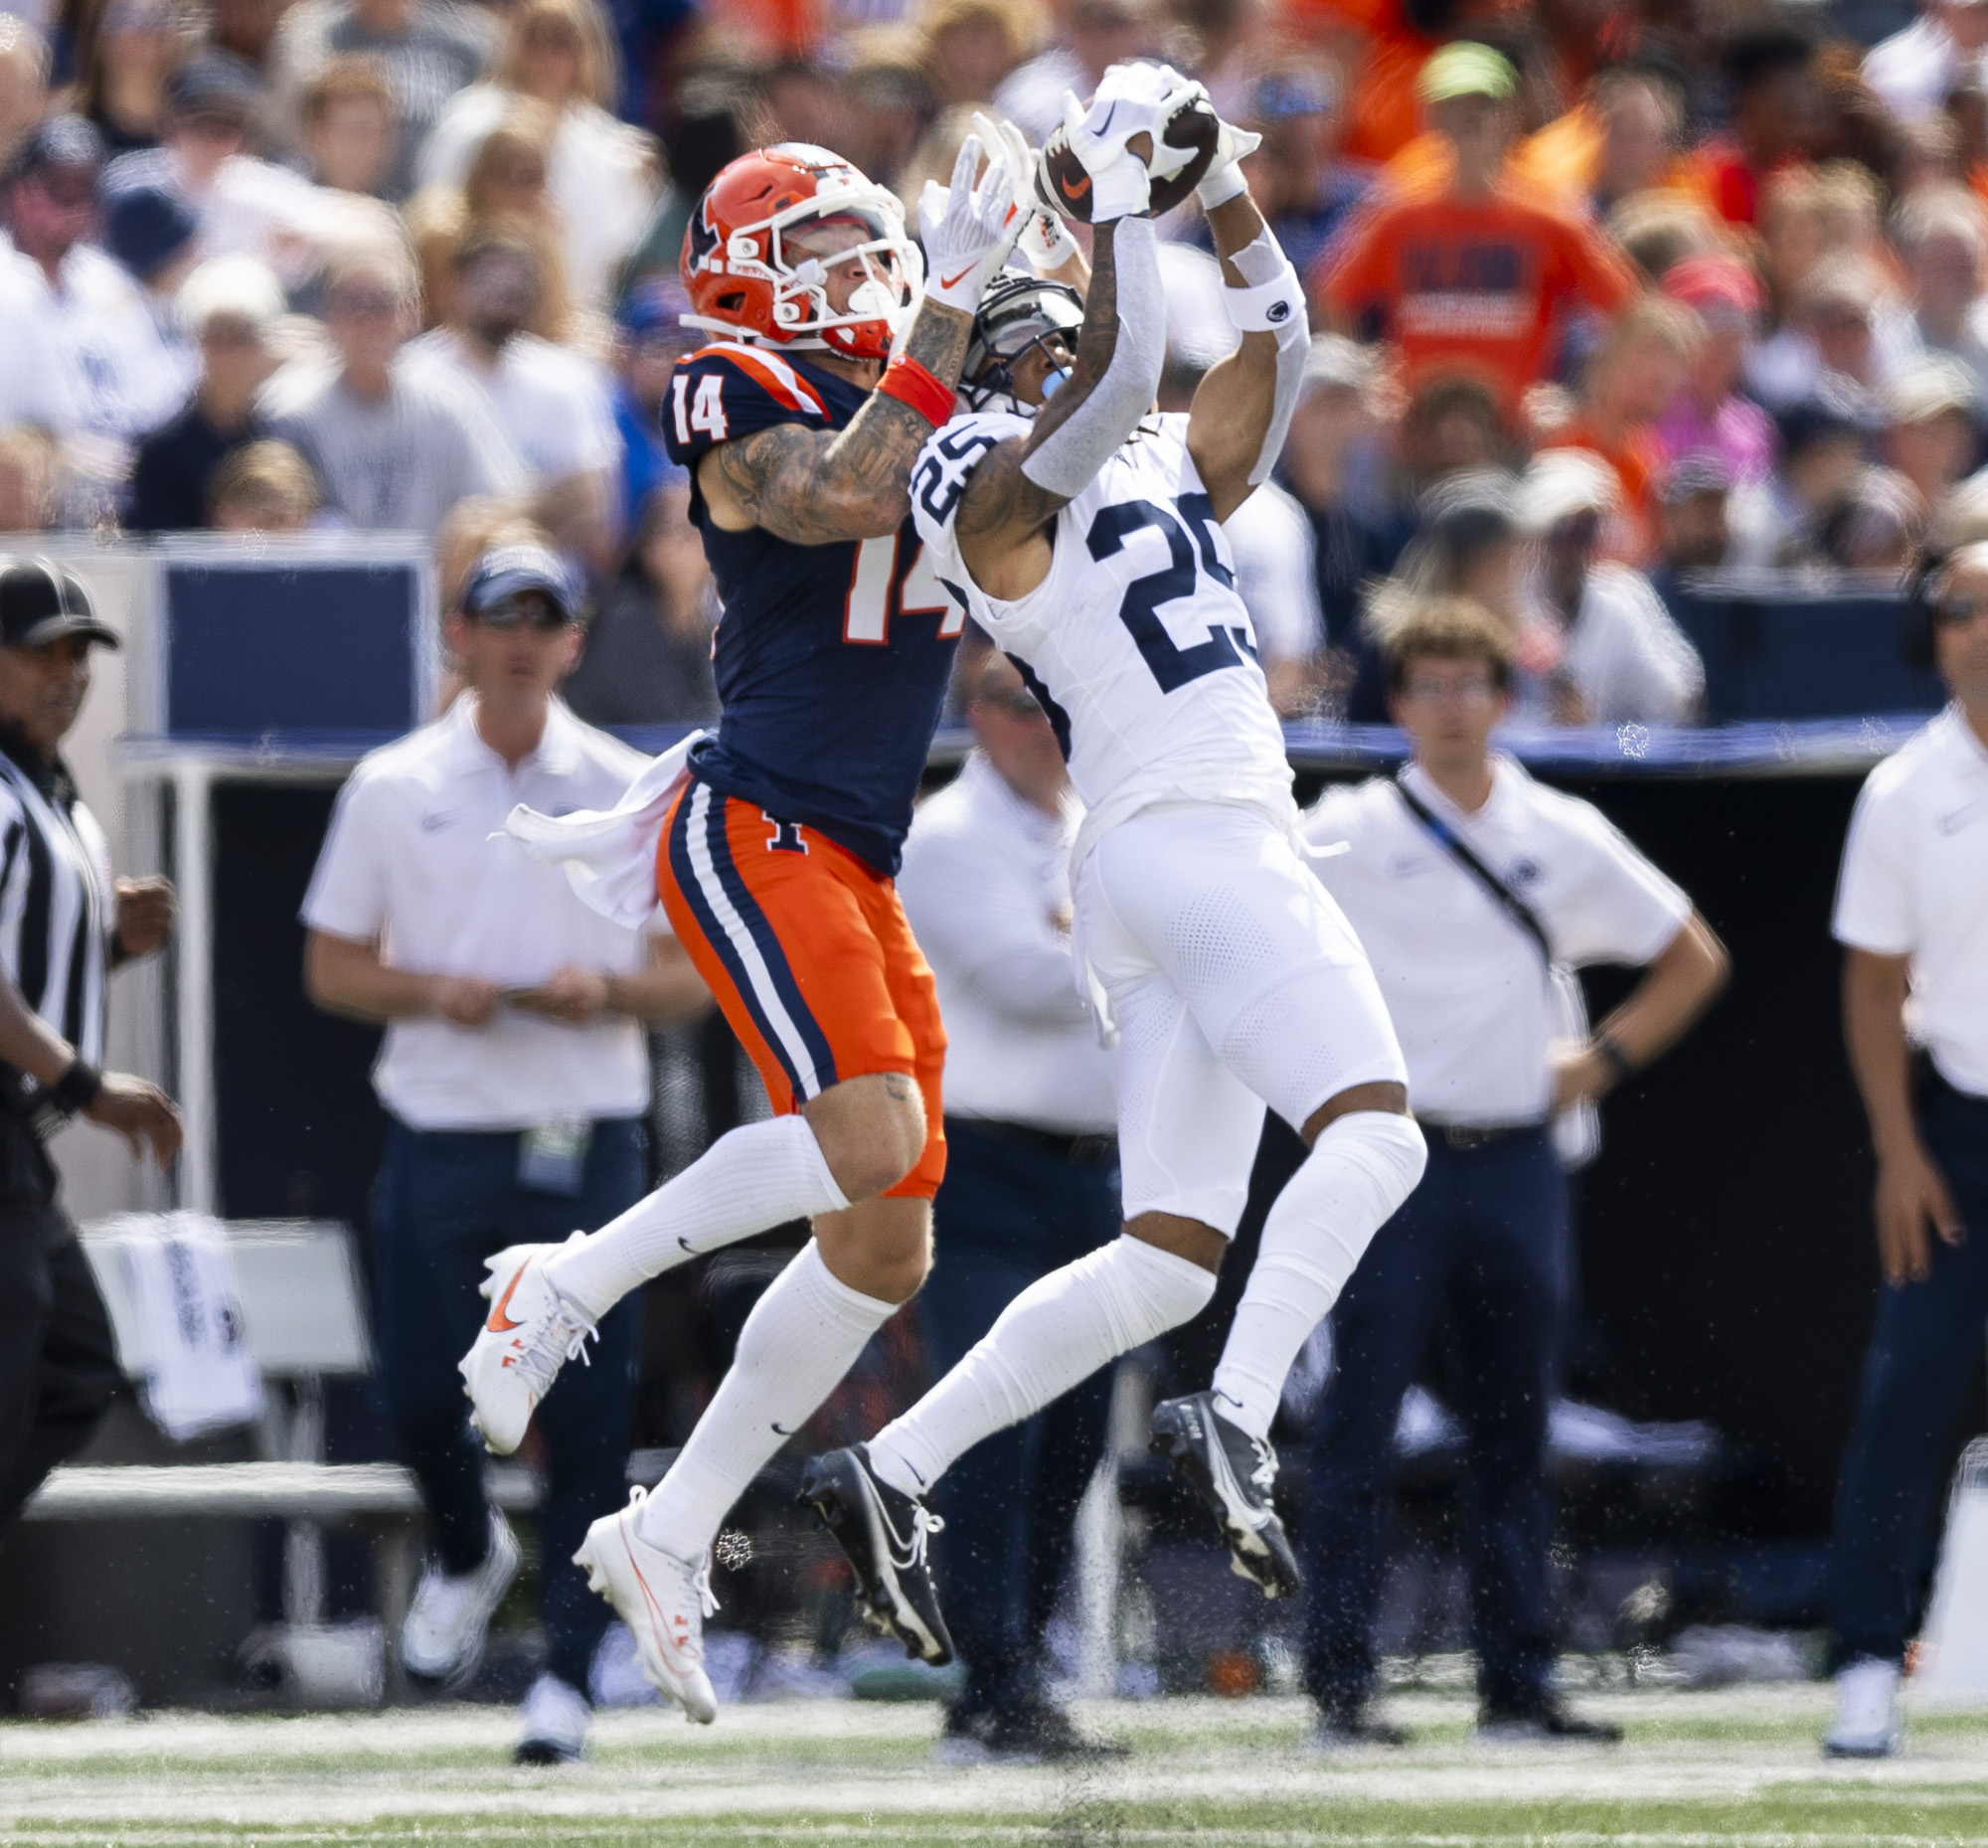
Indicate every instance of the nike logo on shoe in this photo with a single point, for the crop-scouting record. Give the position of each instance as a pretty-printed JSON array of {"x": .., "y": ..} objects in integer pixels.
[{"x": 499, "y": 1322}]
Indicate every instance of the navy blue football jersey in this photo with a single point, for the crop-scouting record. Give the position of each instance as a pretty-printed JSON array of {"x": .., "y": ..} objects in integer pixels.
[{"x": 831, "y": 661}]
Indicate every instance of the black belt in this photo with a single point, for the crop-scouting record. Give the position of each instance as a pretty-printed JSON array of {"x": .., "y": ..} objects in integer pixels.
[
  {"x": 1080, "y": 1151},
  {"x": 1466, "y": 1137}
]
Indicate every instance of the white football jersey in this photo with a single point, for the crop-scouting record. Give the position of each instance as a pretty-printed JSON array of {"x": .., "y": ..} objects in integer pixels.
[{"x": 1136, "y": 642}]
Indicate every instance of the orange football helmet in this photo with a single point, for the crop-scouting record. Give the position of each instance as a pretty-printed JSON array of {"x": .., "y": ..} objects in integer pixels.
[{"x": 750, "y": 277}]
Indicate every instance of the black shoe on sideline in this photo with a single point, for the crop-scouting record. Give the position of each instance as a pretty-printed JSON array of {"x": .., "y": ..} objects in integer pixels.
[
  {"x": 1349, "y": 1721},
  {"x": 1233, "y": 1474},
  {"x": 1045, "y": 1731},
  {"x": 1542, "y": 1718},
  {"x": 883, "y": 1531},
  {"x": 1034, "y": 1732}
]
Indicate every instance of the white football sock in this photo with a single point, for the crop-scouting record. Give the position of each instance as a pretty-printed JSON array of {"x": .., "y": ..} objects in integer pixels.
[
  {"x": 751, "y": 1179},
  {"x": 1055, "y": 1334},
  {"x": 802, "y": 1336},
  {"x": 1360, "y": 1170}
]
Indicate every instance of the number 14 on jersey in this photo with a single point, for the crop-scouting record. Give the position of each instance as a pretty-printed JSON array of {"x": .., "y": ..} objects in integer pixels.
[{"x": 868, "y": 608}]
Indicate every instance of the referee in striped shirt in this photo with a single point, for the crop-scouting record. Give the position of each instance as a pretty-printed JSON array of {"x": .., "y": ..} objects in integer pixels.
[{"x": 63, "y": 924}]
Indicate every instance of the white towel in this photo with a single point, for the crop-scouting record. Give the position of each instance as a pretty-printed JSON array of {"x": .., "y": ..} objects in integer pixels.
[
  {"x": 609, "y": 854},
  {"x": 199, "y": 1373}
]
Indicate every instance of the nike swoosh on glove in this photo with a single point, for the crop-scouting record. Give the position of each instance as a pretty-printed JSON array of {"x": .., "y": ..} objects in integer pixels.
[
  {"x": 1131, "y": 99},
  {"x": 968, "y": 230}
]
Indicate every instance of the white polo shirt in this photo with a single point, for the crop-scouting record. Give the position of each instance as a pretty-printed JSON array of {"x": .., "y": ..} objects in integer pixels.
[
  {"x": 985, "y": 880},
  {"x": 1466, "y": 986},
  {"x": 418, "y": 857},
  {"x": 553, "y": 405},
  {"x": 1915, "y": 883}
]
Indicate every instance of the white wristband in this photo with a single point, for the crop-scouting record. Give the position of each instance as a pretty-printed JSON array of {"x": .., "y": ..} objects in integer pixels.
[
  {"x": 1220, "y": 185},
  {"x": 1046, "y": 243},
  {"x": 1268, "y": 306},
  {"x": 1124, "y": 189}
]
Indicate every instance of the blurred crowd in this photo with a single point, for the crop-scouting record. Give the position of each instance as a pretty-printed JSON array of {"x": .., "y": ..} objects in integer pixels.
[{"x": 278, "y": 265}]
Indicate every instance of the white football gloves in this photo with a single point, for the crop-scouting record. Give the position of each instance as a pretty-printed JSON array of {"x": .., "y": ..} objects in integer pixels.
[
  {"x": 1224, "y": 178},
  {"x": 968, "y": 230},
  {"x": 1045, "y": 244},
  {"x": 1131, "y": 99}
]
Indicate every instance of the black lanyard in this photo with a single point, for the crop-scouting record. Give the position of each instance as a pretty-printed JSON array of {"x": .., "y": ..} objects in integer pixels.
[{"x": 1500, "y": 894}]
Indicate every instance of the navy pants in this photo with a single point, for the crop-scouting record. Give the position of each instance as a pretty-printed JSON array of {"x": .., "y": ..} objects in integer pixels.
[
  {"x": 1007, "y": 1213},
  {"x": 447, "y": 1200},
  {"x": 1923, "y": 1351},
  {"x": 1483, "y": 1239}
]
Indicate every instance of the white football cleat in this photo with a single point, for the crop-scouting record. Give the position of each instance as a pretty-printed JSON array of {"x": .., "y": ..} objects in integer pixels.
[
  {"x": 663, "y": 1599},
  {"x": 441, "y": 1638},
  {"x": 529, "y": 1333},
  {"x": 1866, "y": 1722},
  {"x": 551, "y": 1724}
]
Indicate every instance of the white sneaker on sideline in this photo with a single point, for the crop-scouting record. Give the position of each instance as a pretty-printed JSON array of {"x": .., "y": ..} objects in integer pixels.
[
  {"x": 553, "y": 1724},
  {"x": 663, "y": 1599},
  {"x": 1866, "y": 1722},
  {"x": 442, "y": 1637},
  {"x": 529, "y": 1333}
]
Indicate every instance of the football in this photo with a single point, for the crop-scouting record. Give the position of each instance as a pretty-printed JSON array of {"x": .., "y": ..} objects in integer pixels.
[{"x": 1177, "y": 166}]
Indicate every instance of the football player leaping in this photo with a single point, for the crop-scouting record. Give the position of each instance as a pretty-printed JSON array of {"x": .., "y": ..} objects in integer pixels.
[
  {"x": 776, "y": 858},
  {"x": 1085, "y": 534}
]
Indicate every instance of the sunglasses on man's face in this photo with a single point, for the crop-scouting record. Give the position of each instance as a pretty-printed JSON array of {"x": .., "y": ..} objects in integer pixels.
[{"x": 532, "y": 607}]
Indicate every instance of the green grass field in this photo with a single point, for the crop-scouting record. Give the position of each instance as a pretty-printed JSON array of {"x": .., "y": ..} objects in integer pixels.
[{"x": 1737, "y": 1766}]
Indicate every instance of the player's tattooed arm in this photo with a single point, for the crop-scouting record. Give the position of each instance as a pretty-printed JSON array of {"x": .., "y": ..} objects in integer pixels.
[
  {"x": 1002, "y": 509},
  {"x": 815, "y": 487}
]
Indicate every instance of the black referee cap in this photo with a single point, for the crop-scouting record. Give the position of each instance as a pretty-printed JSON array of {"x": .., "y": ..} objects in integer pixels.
[{"x": 40, "y": 603}]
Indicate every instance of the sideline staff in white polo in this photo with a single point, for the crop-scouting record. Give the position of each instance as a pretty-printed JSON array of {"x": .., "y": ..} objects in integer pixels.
[
  {"x": 1475, "y": 891},
  {"x": 1911, "y": 913},
  {"x": 516, "y": 1078},
  {"x": 1031, "y": 1185}
]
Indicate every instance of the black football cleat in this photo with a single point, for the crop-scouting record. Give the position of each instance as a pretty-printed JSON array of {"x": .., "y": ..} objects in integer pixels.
[
  {"x": 1542, "y": 1718},
  {"x": 1347, "y": 1721},
  {"x": 1234, "y": 1473},
  {"x": 883, "y": 1533}
]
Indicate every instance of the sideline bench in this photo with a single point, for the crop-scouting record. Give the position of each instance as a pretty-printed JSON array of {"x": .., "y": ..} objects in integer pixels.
[{"x": 304, "y": 1307}]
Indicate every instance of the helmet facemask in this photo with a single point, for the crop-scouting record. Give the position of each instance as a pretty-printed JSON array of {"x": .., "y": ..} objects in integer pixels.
[
  {"x": 791, "y": 252},
  {"x": 1021, "y": 315}
]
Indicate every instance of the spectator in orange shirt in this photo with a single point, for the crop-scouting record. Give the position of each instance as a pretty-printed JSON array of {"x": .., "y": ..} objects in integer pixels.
[
  {"x": 1630, "y": 384},
  {"x": 1468, "y": 277}
]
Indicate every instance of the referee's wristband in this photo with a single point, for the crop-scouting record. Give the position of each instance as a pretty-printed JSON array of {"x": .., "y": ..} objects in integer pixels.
[
  {"x": 78, "y": 1087},
  {"x": 1613, "y": 1056}
]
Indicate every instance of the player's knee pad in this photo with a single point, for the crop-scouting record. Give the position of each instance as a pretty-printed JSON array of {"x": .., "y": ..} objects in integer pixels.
[
  {"x": 1360, "y": 1170},
  {"x": 1149, "y": 1290},
  {"x": 1386, "y": 1146}
]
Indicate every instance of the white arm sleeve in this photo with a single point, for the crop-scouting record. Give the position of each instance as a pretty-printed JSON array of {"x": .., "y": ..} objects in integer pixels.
[
  {"x": 1068, "y": 458},
  {"x": 1274, "y": 303}
]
